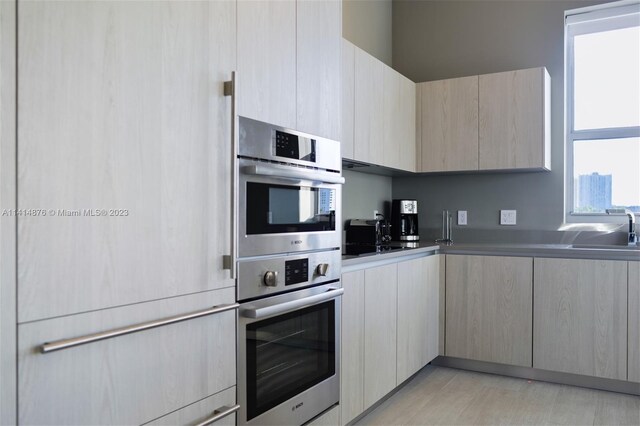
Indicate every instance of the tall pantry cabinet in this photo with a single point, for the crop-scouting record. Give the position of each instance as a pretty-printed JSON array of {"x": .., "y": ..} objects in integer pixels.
[{"x": 123, "y": 150}]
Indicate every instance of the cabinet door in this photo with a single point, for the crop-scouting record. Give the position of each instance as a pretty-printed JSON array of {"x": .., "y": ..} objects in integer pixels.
[
  {"x": 352, "y": 346},
  {"x": 129, "y": 379},
  {"x": 122, "y": 113},
  {"x": 267, "y": 60},
  {"x": 380, "y": 315},
  {"x": 202, "y": 410},
  {"x": 580, "y": 317},
  {"x": 399, "y": 112},
  {"x": 319, "y": 39},
  {"x": 489, "y": 305},
  {"x": 368, "y": 116},
  {"x": 634, "y": 322},
  {"x": 449, "y": 124},
  {"x": 514, "y": 120},
  {"x": 418, "y": 300},
  {"x": 348, "y": 98}
]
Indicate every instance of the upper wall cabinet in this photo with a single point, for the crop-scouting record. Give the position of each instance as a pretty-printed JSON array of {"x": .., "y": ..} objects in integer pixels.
[
  {"x": 449, "y": 125},
  {"x": 488, "y": 122},
  {"x": 124, "y": 139},
  {"x": 514, "y": 120},
  {"x": 368, "y": 122},
  {"x": 348, "y": 99},
  {"x": 399, "y": 111},
  {"x": 267, "y": 61},
  {"x": 378, "y": 112},
  {"x": 319, "y": 29},
  {"x": 289, "y": 64}
]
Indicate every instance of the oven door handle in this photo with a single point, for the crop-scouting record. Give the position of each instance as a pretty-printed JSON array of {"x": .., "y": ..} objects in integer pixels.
[
  {"x": 296, "y": 173},
  {"x": 282, "y": 308}
]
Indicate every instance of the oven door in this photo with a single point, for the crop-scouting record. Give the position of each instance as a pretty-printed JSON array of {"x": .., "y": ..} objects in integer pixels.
[
  {"x": 288, "y": 356},
  {"x": 284, "y": 209}
]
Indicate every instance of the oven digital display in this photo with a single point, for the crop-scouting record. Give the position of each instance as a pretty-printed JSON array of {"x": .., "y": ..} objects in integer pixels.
[
  {"x": 296, "y": 271},
  {"x": 295, "y": 147}
]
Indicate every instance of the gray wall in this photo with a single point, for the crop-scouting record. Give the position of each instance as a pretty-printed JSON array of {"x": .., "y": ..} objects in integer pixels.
[
  {"x": 367, "y": 24},
  {"x": 443, "y": 39},
  {"x": 363, "y": 193}
]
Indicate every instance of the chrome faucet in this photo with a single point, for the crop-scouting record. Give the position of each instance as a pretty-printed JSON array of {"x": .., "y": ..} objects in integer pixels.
[{"x": 633, "y": 236}]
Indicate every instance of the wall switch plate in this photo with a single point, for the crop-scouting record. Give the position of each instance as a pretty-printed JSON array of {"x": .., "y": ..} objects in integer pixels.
[
  {"x": 507, "y": 217},
  {"x": 375, "y": 214},
  {"x": 462, "y": 217}
]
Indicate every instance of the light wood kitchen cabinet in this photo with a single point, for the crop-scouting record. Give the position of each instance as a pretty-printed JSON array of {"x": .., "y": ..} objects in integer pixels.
[
  {"x": 380, "y": 319},
  {"x": 634, "y": 322},
  {"x": 489, "y": 308},
  {"x": 580, "y": 317},
  {"x": 368, "y": 115},
  {"x": 319, "y": 40},
  {"x": 514, "y": 130},
  {"x": 201, "y": 411},
  {"x": 352, "y": 346},
  {"x": 122, "y": 113},
  {"x": 128, "y": 379},
  {"x": 399, "y": 111},
  {"x": 449, "y": 125},
  {"x": 267, "y": 60},
  {"x": 418, "y": 313},
  {"x": 348, "y": 99}
]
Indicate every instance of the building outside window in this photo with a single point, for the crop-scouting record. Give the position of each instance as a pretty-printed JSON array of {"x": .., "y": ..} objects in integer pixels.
[{"x": 602, "y": 110}]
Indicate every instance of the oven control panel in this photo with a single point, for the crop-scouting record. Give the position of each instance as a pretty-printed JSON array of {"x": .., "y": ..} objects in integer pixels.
[
  {"x": 294, "y": 147},
  {"x": 296, "y": 271},
  {"x": 263, "y": 277}
]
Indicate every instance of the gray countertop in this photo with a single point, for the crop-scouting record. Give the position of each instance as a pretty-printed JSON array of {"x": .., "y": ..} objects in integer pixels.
[{"x": 500, "y": 249}]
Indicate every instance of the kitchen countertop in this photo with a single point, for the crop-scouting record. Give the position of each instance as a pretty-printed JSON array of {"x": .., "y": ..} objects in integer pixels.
[{"x": 503, "y": 249}]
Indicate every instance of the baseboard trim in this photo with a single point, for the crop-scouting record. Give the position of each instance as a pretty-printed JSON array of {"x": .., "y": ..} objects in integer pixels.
[{"x": 539, "y": 375}]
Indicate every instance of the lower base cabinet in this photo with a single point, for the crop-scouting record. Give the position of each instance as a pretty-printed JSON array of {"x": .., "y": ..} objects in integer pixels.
[
  {"x": 134, "y": 378},
  {"x": 633, "y": 375},
  {"x": 352, "y": 346},
  {"x": 580, "y": 317},
  {"x": 418, "y": 315},
  {"x": 380, "y": 316},
  {"x": 390, "y": 329},
  {"x": 489, "y": 305}
]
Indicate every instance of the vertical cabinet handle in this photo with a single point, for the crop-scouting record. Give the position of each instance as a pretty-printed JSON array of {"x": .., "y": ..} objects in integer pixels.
[
  {"x": 218, "y": 414},
  {"x": 231, "y": 89}
]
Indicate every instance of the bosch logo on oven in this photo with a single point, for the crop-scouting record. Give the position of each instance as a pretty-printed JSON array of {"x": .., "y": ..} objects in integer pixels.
[
  {"x": 295, "y": 407},
  {"x": 295, "y": 242}
]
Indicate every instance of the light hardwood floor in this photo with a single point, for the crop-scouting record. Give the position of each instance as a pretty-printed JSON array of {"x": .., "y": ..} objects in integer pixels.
[{"x": 438, "y": 396}]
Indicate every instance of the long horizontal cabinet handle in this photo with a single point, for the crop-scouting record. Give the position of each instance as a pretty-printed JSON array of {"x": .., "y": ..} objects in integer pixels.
[
  {"x": 218, "y": 414},
  {"x": 89, "y": 338}
]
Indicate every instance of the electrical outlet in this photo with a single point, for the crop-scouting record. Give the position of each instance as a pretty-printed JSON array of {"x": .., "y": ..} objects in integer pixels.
[
  {"x": 462, "y": 217},
  {"x": 507, "y": 217},
  {"x": 375, "y": 214}
]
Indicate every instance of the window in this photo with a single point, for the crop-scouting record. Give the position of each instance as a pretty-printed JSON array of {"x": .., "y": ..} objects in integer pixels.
[{"x": 602, "y": 86}]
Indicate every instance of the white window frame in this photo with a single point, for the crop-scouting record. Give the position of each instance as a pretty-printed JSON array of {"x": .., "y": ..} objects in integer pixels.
[{"x": 609, "y": 16}]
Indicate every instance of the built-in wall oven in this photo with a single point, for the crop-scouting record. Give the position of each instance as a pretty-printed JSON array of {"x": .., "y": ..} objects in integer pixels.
[{"x": 288, "y": 271}]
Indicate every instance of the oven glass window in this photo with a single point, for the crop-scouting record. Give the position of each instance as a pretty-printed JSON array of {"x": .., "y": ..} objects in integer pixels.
[
  {"x": 289, "y": 209},
  {"x": 288, "y": 354}
]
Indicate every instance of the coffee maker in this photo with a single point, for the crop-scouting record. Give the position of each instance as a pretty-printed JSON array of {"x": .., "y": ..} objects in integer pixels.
[{"x": 404, "y": 220}]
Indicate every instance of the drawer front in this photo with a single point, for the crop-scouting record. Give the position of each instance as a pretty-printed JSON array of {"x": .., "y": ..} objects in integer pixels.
[
  {"x": 132, "y": 378},
  {"x": 201, "y": 411}
]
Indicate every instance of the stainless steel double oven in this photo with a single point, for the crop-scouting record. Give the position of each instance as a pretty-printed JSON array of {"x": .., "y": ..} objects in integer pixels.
[{"x": 289, "y": 237}]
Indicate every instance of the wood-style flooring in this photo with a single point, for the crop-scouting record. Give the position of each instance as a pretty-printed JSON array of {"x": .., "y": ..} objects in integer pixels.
[{"x": 445, "y": 396}]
